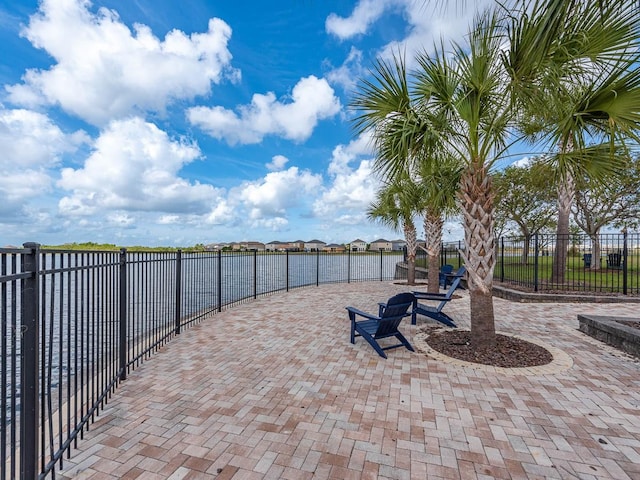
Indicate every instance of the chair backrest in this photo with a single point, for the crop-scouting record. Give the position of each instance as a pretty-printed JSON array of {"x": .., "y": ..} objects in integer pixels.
[
  {"x": 445, "y": 269},
  {"x": 395, "y": 311}
]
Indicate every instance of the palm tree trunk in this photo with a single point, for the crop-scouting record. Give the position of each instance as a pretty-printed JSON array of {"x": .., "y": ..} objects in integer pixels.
[
  {"x": 476, "y": 202},
  {"x": 433, "y": 225},
  {"x": 412, "y": 247},
  {"x": 565, "y": 198}
]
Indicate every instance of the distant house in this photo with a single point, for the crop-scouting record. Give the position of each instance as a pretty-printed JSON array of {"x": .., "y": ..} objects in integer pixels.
[
  {"x": 398, "y": 245},
  {"x": 358, "y": 246},
  {"x": 275, "y": 246},
  {"x": 296, "y": 246},
  {"x": 314, "y": 245},
  {"x": 214, "y": 247},
  {"x": 251, "y": 246},
  {"x": 381, "y": 244},
  {"x": 334, "y": 248}
]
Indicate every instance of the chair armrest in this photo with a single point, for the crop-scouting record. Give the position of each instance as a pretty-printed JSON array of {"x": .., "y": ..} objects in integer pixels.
[
  {"x": 354, "y": 311},
  {"x": 430, "y": 296}
]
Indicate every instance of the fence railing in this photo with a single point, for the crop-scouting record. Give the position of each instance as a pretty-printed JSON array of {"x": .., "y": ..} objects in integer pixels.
[
  {"x": 606, "y": 264},
  {"x": 74, "y": 324}
]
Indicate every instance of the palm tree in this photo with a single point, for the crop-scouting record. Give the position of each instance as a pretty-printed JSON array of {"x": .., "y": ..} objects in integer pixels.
[
  {"x": 468, "y": 102},
  {"x": 464, "y": 95},
  {"x": 439, "y": 182},
  {"x": 459, "y": 106},
  {"x": 388, "y": 106},
  {"x": 573, "y": 68},
  {"x": 395, "y": 206}
]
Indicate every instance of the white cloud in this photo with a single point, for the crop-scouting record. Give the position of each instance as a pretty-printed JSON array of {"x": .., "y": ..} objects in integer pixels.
[
  {"x": 32, "y": 146},
  {"x": 365, "y": 13},
  {"x": 271, "y": 196},
  {"x": 352, "y": 189},
  {"x": 427, "y": 23},
  {"x": 276, "y": 224},
  {"x": 106, "y": 71},
  {"x": 344, "y": 155},
  {"x": 277, "y": 162},
  {"x": 31, "y": 139},
  {"x": 134, "y": 167},
  {"x": 312, "y": 100},
  {"x": 523, "y": 162},
  {"x": 221, "y": 213},
  {"x": 347, "y": 74},
  {"x": 16, "y": 188},
  {"x": 120, "y": 219}
]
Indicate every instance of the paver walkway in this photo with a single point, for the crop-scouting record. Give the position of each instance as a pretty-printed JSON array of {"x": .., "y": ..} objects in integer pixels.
[{"x": 274, "y": 390}]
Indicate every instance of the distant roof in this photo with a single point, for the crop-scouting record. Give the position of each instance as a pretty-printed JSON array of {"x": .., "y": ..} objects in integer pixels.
[
  {"x": 358, "y": 240},
  {"x": 380, "y": 240},
  {"x": 315, "y": 241}
]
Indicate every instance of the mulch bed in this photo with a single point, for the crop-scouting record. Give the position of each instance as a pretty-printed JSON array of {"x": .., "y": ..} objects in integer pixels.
[{"x": 508, "y": 352}]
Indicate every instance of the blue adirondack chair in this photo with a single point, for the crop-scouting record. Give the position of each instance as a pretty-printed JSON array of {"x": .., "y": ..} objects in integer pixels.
[
  {"x": 384, "y": 325},
  {"x": 434, "y": 312},
  {"x": 450, "y": 277},
  {"x": 442, "y": 276}
]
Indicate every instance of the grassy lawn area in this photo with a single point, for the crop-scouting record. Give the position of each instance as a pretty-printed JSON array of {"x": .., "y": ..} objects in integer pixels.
[{"x": 577, "y": 276}]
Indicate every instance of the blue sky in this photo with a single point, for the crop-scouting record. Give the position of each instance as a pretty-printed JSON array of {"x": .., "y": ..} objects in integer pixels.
[{"x": 156, "y": 122}]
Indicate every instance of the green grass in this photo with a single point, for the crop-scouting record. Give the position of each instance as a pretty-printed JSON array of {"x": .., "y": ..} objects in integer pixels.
[{"x": 577, "y": 276}]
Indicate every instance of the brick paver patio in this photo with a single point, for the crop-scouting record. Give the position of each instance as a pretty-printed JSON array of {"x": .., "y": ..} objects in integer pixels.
[{"x": 273, "y": 389}]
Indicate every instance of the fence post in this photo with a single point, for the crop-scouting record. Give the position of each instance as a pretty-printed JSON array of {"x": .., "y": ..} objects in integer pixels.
[
  {"x": 536, "y": 262},
  {"x": 219, "y": 281},
  {"x": 317, "y": 267},
  {"x": 502, "y": 259},
  {"x": 349, "y": 265},
  {"x": 625, "y": 260},
  {"x": 122, "y": 354},
  {"x": 287, "y": 269},
  {"x": 178, "y": 290},
  {"x": 29, "y": 414},
  {"x": 380, "y": 264},
  {"x": 255, "y": 274}
]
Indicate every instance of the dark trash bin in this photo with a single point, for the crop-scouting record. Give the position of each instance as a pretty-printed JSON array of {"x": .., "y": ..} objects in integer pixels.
[{"x": 586, "y": 258}]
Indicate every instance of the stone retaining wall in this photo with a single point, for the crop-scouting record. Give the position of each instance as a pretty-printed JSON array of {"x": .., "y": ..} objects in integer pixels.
[{"x": 612, "y": 331}]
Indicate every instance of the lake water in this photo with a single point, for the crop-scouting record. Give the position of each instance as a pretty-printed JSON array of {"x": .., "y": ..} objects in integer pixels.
[{"x": 80, "y": 298}]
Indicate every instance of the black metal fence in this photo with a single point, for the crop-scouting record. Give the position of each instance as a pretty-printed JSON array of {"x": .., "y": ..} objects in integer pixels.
[
  {"x": 606, "y": 264},
  {"x": 75, "y": 323}
]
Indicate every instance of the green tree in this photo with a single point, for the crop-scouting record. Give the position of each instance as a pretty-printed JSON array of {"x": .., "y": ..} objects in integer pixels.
[
  {"x": 439, "y": 182},
  {"x": 573, "y": 70},
  {"x": 612, "y": 201},
  {"x": 395, "y": 206},
  {"x": 525, "y": 196},
  {"x": 388, "y": 105},
  {"x": 460, "y": 106}
]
